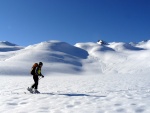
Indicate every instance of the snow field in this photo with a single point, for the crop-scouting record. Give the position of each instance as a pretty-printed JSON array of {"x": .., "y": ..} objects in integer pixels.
[{"x": 77, "y": 94}]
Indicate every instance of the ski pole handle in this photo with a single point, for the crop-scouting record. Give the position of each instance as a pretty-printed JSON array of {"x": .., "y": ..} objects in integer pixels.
[{"x": 40, "y": 78}]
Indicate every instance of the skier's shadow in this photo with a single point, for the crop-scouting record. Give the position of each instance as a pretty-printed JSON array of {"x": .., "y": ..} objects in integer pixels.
[{"x": 73, "y": 95}]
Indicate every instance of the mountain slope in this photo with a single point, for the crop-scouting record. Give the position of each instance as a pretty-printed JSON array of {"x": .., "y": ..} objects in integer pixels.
[
  {"x": 6, "y": 46},
  {"x": 57, "y": 57},
  {"x": 118, "y": 57},
  {"x": 82, "y": 58}
]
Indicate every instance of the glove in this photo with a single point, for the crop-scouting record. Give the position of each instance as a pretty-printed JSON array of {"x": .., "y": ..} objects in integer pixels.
[{"x": 42, "y": 76}]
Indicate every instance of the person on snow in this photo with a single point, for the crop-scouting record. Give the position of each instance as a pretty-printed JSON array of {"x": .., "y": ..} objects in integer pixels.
[{"x": 36, "y": 72}]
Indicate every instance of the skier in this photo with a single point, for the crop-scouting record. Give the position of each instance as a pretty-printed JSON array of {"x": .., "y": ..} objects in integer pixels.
[{"x": 36, "y": 72}]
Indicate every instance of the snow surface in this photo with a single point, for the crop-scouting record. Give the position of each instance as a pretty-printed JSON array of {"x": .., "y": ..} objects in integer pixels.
[
  {"x": 84, "y": 78},
  {"x": 77, "y": 94}
]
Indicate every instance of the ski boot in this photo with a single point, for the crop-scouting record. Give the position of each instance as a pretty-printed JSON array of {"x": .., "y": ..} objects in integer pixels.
[
  {"x": 36, "y": 91},
  {"x": 30, "y": 90}
]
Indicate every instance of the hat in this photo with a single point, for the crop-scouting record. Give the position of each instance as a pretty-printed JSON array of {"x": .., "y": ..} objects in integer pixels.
[{"x": 40, "y": 63}]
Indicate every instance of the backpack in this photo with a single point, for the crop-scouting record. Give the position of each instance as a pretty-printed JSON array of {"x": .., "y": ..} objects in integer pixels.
[{"x": 33, "y": 69}]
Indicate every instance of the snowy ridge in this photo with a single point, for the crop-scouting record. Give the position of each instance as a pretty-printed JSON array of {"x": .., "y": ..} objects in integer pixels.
[
  {"x": 6, "y": 43},
  {"x": 7, "y": 46},
  {"x": 118, "y": 57},
  {"x": 61, "y": 57},
  {"x": 58, "y": 57}
]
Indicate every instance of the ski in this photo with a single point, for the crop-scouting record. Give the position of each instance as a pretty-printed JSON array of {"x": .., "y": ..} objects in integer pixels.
[{"x": 32, "y": 92}]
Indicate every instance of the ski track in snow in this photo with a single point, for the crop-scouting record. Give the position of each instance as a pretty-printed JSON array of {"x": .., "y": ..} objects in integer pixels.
[{"x": 77, "y": 94}]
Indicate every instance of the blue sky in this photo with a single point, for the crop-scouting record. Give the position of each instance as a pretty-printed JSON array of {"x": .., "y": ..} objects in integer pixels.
[{"x": 27, "y": 22}]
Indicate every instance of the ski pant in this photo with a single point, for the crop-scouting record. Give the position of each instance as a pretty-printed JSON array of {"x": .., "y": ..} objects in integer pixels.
[{"x": 36, "y": 80}]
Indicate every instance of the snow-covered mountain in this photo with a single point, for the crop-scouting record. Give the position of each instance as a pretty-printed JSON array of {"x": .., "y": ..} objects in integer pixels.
[
  {"x": 90, "y": 57},
  {"x": 118, "y": 57},
  {"x": 7, "y": 46},
  {"x": 58, "y": 57}
]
